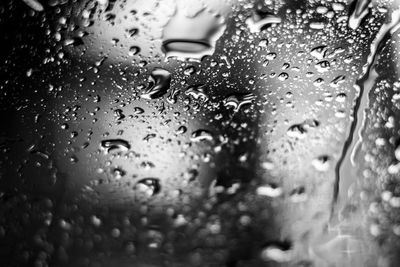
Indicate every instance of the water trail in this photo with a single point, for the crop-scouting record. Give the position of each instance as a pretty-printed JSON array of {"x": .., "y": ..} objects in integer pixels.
[
  {"x": 344, "y": 170},
  {"x": 359, "y": 12}
]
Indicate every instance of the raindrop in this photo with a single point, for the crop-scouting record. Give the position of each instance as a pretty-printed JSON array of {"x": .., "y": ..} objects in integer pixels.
[
  {"x": 319, "y": 52},
  {"x": 283, "y": 76},
  {"x": 197, "y": 92},
  {"x": 261, "y": 20},
  {"x": 159, "y": 83},
  {"x": 397, "y": 153},
  {"x": 201, "y": 135},
  {"x": 192, "y": 37},
  {"x": 138, "y": 110},
  {"x": 269, "y": 190},
  {"x": 238, "y": 100},
  {"x": 148, "y": 186},
  {"x": 339, "y": 79},
  {"x": 321, "y": 163},
  {"x": 280, "y": 251},
  {"x": 111, "y": 145},
  {"x": 181, "y": 130},
  {"x": 118, "y": 173},
  {"x": 298, "y": 195},
  {"x": 34, "y": 4},
  {"x": 323, "y": 66},
  {"x": 134, "y": 50}
]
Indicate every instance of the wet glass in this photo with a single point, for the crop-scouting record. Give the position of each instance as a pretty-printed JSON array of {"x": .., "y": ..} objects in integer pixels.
[{"x": 200, "y": 133}]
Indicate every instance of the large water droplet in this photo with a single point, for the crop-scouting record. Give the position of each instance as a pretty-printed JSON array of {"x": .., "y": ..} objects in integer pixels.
[
  {"x": 111, "y": 145},
  {"x": 238, "y": 100}
]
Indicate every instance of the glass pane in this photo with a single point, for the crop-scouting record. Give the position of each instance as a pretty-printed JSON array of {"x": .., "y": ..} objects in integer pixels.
[{"x": 199, "y": 133}]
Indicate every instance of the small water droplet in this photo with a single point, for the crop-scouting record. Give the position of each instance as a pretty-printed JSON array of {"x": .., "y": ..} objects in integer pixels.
[
  {"x": 323, "y": 66},
  {"x": 261, "y": 20},
  {"x": 280, "y": 251},
  {"x": 134, "y": 50},
  {"x": 118, "y": 173},
  {"x": 197, "y": 92},
  {"x": 283, "y": 76},
  {"x": 181, "y": 130},
  {"x": 138, "y": 110},
  {"x": 319, "y": 52},
  {"x": 321, "y": 163},
  {"x": 269, "y": 190},
  {"x": 148, "y": 187},
  {"x": 201, "y": 135},
  {"x": 298, "y": 195}
]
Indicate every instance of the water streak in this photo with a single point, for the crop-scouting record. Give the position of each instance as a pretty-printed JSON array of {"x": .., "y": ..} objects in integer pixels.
[
  {"x": 360, "y": 11},
  {"x": 345, "y": 175}
]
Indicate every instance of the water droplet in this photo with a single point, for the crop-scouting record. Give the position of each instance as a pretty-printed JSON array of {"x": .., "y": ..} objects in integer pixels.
[
  {"x": 115, "y": 144},
  {"x": 119, "y": 114},
  {"x": 34, "y": 4},
  {"x": 298, "y": 195},
  {"x": 319, "y": 52},
  {"x": 73, "y": 159},
  {"x": 238, "y": 100},
  {"x": 134, "y": 50},
  {"x": 118, "y": 173},
  {"x": 323, "y": 66},
  {"x": 159, "y": 83},
  {"x": 297, "y": 130},
  {"x": 154, "y": 238},
  {"x": 148, "y": 187},
  {"x": 300, "y": 130},
  {"x": 338, "y": 80},
  {"x": 181, "y": 130},
  {"x": 197, "y": 92},
  {"x": 283, "y": 76},
  {"x": 95, "y": 220},
  {"x": 316, "y": 25},
  {"x": 201, "y": 135},
  {"x": 148, "y": 137},
  {"x": 64, "y": 126},
  {"x": 132, "y": 32},
  {"x": 277, "y": 251},
  {"x": 397, "y": 153},
  {"x": 321, "y": 163},
  {"x": 341, "y": 97},
  {"x": 261, "y": 20},
  {"x": 138, "y": 110},
  {"x": 269, "y": 190},
  {"x": 191, "y": 174},
  {"x": 189, "y": 70},
  {"x": 192, "y": 37},
  {"x": 115, "y": 232}
]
